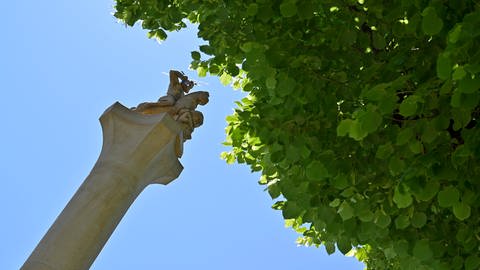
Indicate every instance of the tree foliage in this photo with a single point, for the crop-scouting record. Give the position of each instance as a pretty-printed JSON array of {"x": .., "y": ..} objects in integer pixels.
[{"x": 361, "y": 116}]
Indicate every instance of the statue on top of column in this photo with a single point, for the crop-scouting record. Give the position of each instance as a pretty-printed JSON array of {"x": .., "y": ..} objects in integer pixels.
[{"x": 179, "y": 103}]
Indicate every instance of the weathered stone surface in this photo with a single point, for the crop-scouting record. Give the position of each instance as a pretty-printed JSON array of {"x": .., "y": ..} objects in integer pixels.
[{"x": 138, "y": 150}]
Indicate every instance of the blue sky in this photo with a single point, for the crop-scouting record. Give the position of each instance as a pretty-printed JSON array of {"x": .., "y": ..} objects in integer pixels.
[{"x": 62, "y": 63}]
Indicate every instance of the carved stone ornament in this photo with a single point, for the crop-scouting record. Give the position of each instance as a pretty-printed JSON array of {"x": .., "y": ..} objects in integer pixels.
[{"x": 178, "y": 103}]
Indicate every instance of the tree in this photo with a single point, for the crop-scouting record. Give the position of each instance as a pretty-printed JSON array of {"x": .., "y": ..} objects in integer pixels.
[{"x": 361, "y": 116}]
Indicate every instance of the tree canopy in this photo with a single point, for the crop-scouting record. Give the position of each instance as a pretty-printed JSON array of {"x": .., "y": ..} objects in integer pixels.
[{"x": 361, "y": 116}]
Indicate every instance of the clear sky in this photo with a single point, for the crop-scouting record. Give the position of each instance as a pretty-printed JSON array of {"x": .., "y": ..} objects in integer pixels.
[{"x": 62, "y": 63}]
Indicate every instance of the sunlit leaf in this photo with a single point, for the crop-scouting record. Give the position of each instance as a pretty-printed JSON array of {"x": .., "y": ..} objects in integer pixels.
[
  {"x": 345, "y": 211},
  {"x": 225, "y": 79},
  {"x": 401, "y": 197},
  {"x": 344, "y": 127}
]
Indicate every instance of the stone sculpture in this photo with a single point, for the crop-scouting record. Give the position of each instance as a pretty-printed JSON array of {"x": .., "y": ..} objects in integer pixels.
[
  {"x": 178, "y": 103},
  {"x": 141, "y": 146}
]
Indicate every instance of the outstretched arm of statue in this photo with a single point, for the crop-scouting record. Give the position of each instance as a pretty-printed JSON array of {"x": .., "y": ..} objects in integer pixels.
[{"x": 175, "y": 75}]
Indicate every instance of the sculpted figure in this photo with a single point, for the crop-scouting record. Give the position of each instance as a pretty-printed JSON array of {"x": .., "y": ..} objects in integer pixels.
[
  {"x": 178, "y": 103},
  {"x": 190, "y": 120},
  {"x": 190, "y": 101},
  {"x": 176, "y": 89}
]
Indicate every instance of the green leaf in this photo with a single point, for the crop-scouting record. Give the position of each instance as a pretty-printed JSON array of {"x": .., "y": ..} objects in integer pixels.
[
  {"x": 151, "y": 34},
  {"x": 446, "y": 87},
  {"x": 387, "y": 104},
  {"x": 160, "y": 34},
  {"x": 422, "y": 250},
  {"x": 289, "y": 222},
  {"x": 472, "y": 262},
  {"x": 472, "y": 68},
  {"x": 428, "y": 191},
  {"x": 469, "y": 85},
  {"x": 448, "y": 196},
  {"x": 401, "y": 247},
  {"x": 389, "y": 253},
  {"x": 232, "y": 69},
  {"x": 274, "y": 191},
  {"x": 444, "y": 66},
  {"x": 288, "y": 8},
  {"x": 384, "y": 151},
  {"x": 195, "y": 55},
  {"x": 214, "y": 69},
  {"x": 454, "y": 34},
  {"x": 316, "y": 171},
  {"x": 247, "y": 47},
  {"x": 431, "y": 23},
  {"x": 402, "y": 222},
  {"x": 277, "y": 155},
  {"x": 401, "y": 197},
  {"x": 340, "y": 181},
  {"x": 207, "y": 49},
  {"x": 356, "y": 132},
  {"x": 459, "y": 73},
  {"x": 408, "y": 107},
  {"x": 416, "y": 147},
  {"x": 286, "y": 86},
  {"x": 471, "y": 101},
  {"x": 419, "y": 219},
  {"x": 370, "y": 121},
  {"x": 364, "y": 214},
  {"x": 278, "y": 205},
  {"x": 330, "y": 248},
  {"x": 202, "y": 72},
  {"x": 225, "y": 79},
  {"x": 344, "y": 127},
  {"x": 461, "y": 210},
  {"x": 382, "y": 220},
  {"x": 375, "y": 93},
  {"x": 461, "y": 118},
  {"x": 291, "y": 210},
  {"x": 461, "y": 155},
  {"x": 396, "y": 165},
  {"x": 334, "y": 203},
  {"x": 345, "y": 211},
  {"x": 344, "y": 245},
  {"x": 271, "y": 82},
  {"x": 404, "y": 136},
  {"x": 252, "y": 9},
  {"x": 429, "y": 133}
]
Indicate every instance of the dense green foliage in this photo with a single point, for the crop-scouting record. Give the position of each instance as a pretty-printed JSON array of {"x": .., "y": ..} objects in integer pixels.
[{"x": 361, "y": 116}]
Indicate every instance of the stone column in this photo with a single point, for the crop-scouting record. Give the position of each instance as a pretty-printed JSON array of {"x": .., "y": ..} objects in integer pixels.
[{"x": 137, "y": 150}]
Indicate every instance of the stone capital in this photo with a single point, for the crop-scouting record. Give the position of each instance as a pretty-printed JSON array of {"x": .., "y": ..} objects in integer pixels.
[{"x": 137, "y": 150}]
